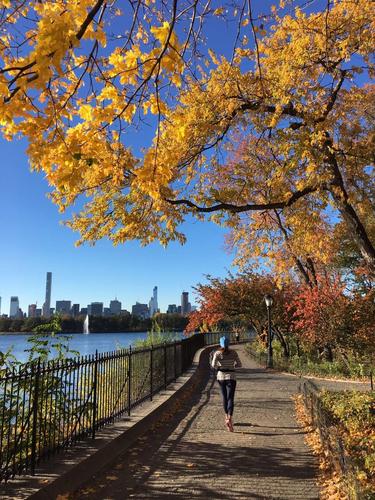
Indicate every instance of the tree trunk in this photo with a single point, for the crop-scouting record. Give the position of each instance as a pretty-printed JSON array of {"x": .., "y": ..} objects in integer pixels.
[
  {"x": 298, "y": 348},
  {"x": 328, "y": 354},
  {"x": 283, "y": 342},
  {"x": 358, "y": 230},
  {"x": 350, "y": 216},
  {"x": 311, "y": 268},
  {"x": 300, "y": 267}
]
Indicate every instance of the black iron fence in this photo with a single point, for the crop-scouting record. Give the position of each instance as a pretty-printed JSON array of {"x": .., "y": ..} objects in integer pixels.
[
  {"x": 322, "y": 420},
  {"x": 46, "y": 407}
]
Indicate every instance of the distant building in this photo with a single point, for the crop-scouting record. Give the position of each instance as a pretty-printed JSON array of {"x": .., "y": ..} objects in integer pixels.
[
  {"x": 75, "y": 310},
  {"x": 38, "y": 313},
  {"x": 115, "y": 307},
  {"x": 125, "y": 312},
  {"x": 141, "y": 310},
  {"x": 31, "y": 313},
  {"x": 178, "y": 309},
  {"x": 47, "y": 303},
  {"x": 172, "y": 309},
  {"x": 185, "y": 304},
  {"x": 14, "y": 307},
  {"x": 106, "y": 312},
  {"x": 153, "y": 304},
  {"x": 84, "y": 311},
  {"x": 95, "y": 309},
  {"x": 0, "y": 306},
  {"x": 63, "y": 306}
]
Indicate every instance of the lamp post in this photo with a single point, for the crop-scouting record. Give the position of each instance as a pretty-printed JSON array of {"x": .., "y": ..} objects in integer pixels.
[{"x": 268, "y": 299}]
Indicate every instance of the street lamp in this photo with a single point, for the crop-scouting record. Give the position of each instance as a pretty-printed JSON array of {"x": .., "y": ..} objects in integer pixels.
[{"x": 268, "y": 299}]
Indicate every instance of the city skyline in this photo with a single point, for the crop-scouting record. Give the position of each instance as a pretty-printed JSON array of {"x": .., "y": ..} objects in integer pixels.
[
  {"x": 65, "y": 305},
  {"x": 88, "y": 273}
]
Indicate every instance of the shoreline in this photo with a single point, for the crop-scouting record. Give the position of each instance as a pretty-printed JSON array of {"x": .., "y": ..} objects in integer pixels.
[{"x": 91, "y": 333}]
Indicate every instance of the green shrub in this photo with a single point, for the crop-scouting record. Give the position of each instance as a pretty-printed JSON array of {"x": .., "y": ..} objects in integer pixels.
[{"x": 309, "y": 364}]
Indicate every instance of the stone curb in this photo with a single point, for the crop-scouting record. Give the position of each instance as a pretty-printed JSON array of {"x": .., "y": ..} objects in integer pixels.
[{"x": 74, "y": 475}]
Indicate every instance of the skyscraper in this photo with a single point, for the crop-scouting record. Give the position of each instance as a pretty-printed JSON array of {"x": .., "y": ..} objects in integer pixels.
[
  {"x": 172, "y": 309},
  {"x": 153, "y": 304},
  {"x": 155, "y": 297},
  {"x": 47, "y": 303},
  {"x": 32, "y": 311},
  {"x": 14, "y": 307},
  {"x": 115, "y": 307},
  {"x": 141, "y": 310},
  {"x": 75, "y": 310},
  {"x": 185, "y": 304},
  {"x": 95, "y": 309},
  {"x": 63, "y": 306}
]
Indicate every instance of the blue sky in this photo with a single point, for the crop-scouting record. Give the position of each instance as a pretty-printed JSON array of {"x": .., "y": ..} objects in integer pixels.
[{"x": 33, "y": 242}]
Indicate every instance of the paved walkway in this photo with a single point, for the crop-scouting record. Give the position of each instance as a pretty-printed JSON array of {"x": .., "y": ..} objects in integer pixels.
[{"x": 191, "y": 455}]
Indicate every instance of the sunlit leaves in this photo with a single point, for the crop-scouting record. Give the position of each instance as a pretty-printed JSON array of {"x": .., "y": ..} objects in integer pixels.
[{"x": 289, "y": 115}]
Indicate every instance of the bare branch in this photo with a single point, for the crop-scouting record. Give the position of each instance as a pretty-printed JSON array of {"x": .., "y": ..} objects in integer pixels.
[{"x": 230, "y": 207}]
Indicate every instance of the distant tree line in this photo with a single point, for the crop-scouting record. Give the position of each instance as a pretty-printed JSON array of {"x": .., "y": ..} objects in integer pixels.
[{"x": 129, "y": 323}]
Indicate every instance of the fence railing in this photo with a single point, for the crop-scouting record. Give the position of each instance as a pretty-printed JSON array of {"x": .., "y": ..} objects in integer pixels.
[
  {"x": 322, "y": 420},
  {"x": 46, "y": 407}
]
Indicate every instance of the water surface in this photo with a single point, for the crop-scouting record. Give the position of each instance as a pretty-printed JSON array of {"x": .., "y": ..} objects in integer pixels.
[{"x": 84, "y": 344}]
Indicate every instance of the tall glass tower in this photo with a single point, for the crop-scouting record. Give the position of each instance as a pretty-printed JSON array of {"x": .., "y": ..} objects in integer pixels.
[
  {"x": 153, "y": 304},
  {"x": 185, "y": 304},
  {"x": 155, "y": 297},
  {"x": 14, "y": 307},
  {"x": 47, "y": 302}
]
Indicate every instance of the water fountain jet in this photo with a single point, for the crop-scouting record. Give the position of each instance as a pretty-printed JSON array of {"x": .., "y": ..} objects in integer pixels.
[{"x": 86, "y": 329}]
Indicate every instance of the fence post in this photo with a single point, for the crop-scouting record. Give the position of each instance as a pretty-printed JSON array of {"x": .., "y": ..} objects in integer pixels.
[
  {"x": 175, "y": 360},
  {"x": 95, "y": 394},
  {"x": 165, "y": 365},
  {"x": 129, "y": 378},
  {"x": 35, "y": 418},
  {"x": 151, "y": 371}
]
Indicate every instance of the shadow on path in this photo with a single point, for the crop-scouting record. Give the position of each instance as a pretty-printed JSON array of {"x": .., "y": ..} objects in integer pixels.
[{"x": 188, "y": 454}]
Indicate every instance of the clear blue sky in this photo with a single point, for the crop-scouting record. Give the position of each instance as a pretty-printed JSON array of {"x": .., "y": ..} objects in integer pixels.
[{"x": 33, "y": 242}]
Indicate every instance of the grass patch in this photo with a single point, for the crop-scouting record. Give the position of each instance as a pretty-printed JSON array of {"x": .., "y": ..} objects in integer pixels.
[{"x": 306, "y": 364}]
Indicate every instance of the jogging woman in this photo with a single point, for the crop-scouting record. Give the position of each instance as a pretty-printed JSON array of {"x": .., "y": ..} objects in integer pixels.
[{"x": 226, "y": 360}]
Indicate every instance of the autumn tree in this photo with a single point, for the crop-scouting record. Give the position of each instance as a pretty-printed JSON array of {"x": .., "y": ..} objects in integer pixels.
[
  {"x": 239, "y": 300},
  {"x": 330, "y": 317},
  {"x": 75, "y": 75},
  {"x": 299, "y": 238}
]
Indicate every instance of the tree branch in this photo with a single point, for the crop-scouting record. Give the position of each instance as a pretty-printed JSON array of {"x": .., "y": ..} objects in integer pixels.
[
  {"x": 90, "y": 17},
  {"x": 229, "y": 207}
]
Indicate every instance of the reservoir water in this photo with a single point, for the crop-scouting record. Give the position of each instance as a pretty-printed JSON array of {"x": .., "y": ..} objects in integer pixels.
[{"x": 84, "y": 344}]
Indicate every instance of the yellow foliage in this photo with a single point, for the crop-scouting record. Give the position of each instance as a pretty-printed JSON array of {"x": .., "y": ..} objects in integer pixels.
[{"x": 254, "y": 130}]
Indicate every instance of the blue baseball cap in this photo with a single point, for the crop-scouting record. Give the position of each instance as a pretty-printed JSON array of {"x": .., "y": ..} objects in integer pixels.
[{"x": 224, "y": 342}]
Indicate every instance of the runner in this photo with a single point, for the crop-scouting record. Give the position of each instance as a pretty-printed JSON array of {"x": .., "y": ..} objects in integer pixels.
[{"x": 226, "y": 360}]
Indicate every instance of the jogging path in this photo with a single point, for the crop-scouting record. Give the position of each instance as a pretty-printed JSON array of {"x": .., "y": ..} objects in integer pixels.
[{"x": 190, "y": 454}]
